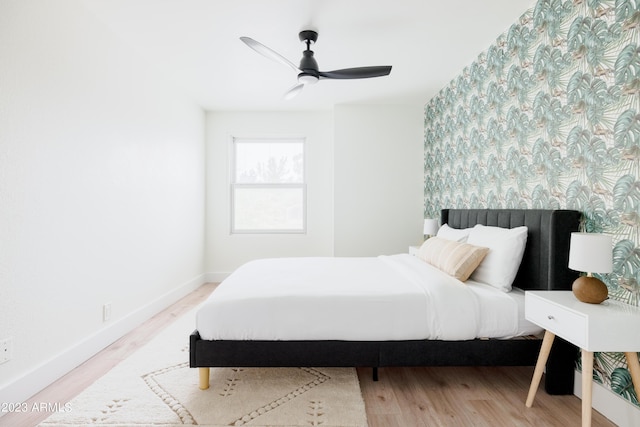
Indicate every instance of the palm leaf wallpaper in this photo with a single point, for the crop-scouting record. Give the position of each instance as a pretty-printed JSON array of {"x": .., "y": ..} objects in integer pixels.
[{"x": 549, "y": 117}]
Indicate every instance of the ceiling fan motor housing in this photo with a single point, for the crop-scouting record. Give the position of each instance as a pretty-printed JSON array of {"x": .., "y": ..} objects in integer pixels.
[{"x": 308, "y": 64}]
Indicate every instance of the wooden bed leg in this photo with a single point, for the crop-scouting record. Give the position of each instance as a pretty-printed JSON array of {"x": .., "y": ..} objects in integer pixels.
[
  {"x": 204, "y": 378},
  {"x": 375, "y": 373}
]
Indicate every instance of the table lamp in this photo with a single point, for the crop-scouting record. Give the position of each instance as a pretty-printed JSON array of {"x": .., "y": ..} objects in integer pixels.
[
  {"x": 430, "y": 227},
  {"x": 590, "y": 253}
]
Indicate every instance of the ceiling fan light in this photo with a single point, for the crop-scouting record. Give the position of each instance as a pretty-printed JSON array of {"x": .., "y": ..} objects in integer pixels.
[{"x": 307, "y": 79}]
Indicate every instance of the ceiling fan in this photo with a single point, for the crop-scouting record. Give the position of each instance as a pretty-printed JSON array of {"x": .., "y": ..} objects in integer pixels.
[{"x": 308, "y": 72}]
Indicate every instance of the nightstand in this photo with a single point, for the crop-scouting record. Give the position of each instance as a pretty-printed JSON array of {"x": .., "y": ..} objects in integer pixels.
[
  {"x": 413, "y": 250},
  {"x": 610, "y": 326}
]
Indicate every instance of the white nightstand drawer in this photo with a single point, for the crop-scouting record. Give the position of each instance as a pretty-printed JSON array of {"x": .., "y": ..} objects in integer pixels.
[{"x": 560, "y": 320}]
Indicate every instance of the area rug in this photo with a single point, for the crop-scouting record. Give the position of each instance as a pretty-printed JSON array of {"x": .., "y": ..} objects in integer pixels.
[{"x": 156, "y": 387}]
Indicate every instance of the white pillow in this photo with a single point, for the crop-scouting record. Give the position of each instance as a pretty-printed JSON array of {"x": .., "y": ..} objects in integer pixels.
[
  {"x": 457, "y": 234},
  {"x": 506, "y": 247}
]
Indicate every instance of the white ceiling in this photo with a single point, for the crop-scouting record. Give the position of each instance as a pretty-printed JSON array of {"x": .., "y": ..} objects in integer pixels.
[{"x": 195, "y": 43}]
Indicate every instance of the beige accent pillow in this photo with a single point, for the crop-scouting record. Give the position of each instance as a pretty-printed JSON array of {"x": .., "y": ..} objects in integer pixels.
[{"x": 457, "y": 259}]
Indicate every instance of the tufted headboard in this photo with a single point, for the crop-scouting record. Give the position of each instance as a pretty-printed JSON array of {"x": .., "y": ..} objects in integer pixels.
[{"x": 545, "y": 262}]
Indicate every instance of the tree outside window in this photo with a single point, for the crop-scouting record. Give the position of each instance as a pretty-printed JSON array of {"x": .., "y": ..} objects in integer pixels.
[{"x": 268, "y": 189}]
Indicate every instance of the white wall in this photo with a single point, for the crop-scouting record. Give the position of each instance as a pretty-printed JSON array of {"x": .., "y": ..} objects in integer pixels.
[
  {"x": 101, "y": 190},
  {"x": 364, "y": 176},
  {"x": 226, "y": 252},
  {"x": 378, "y": 179}
]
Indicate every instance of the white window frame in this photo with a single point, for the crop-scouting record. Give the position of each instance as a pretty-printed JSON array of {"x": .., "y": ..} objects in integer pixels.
[{"x": 235, "y": 185}]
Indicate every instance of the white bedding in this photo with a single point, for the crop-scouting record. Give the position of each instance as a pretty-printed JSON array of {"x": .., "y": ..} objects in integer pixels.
[{"x": 383, "y": 298}]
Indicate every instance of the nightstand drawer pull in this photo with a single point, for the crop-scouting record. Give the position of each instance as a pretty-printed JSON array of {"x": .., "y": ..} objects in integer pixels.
[{"x": 550, "y": 317}]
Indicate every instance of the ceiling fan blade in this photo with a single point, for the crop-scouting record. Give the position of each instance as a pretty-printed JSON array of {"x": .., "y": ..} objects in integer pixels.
[
  {"x": 357, "y": 73},
  {"x": 293, "y": 92},
  {"x": 269, "y": 53}
]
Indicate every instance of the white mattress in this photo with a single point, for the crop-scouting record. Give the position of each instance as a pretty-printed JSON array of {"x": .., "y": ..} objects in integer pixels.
[{"x": 396, "y": 297}]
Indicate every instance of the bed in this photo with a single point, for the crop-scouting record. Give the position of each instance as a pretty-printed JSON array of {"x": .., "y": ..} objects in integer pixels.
[{"x": 396, "y": 342}]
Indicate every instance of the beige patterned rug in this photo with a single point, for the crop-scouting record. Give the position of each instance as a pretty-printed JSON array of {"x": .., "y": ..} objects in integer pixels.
[{"x": 156, "y": 387}]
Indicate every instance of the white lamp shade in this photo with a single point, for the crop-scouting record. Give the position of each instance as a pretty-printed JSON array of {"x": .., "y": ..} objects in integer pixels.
[
  {"x": 591, "y": 252},
  {"x": 430, "y": 227}
]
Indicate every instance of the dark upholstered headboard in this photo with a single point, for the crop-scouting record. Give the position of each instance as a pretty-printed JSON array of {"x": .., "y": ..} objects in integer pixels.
[{"x": 545, "y": 262}]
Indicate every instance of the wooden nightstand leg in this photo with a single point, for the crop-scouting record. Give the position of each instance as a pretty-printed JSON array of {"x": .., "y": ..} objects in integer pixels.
[
  {"x": 587, "y": 382},
  {"x": 634, "y": 370},
  {"x": 547, "y": 341}
]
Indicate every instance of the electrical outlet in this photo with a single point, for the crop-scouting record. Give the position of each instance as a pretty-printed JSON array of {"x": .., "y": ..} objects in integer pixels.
[
  {"x": 106, "y": 312},
  {"x": 6, "y": 350}
]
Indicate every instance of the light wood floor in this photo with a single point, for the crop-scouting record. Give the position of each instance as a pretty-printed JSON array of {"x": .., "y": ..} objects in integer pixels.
[{"x": 403, "y": 397}]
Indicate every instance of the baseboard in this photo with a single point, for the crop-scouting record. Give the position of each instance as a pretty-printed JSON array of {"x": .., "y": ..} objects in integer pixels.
[
  {"x": 48, "y": 372},
  {"x": 216, "y": 277},
  {"x": 620, "y": 411}
]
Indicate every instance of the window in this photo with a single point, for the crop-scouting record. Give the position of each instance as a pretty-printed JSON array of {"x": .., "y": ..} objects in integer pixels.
[{"x": 268, "y": 190}]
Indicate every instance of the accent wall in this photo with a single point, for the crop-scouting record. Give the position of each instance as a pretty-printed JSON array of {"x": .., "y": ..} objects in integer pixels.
[{"x": 549, "y": 117}]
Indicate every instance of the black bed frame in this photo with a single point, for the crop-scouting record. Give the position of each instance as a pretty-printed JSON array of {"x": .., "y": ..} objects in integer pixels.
[{"x": 544, "y": 267}]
